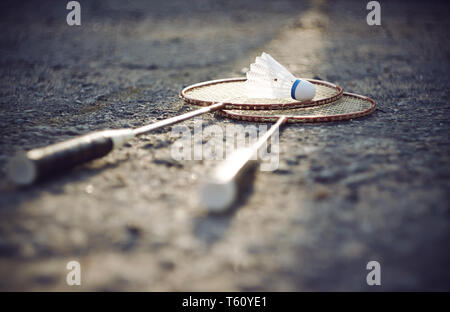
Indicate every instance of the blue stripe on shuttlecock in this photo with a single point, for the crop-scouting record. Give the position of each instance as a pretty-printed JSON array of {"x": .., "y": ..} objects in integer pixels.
[{"x": 294, "y": 86}]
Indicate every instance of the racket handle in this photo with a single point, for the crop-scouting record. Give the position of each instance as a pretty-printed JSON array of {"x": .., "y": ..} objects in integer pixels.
[
  {"x": 29, "y": 167},
  {"x": 233, "y": 175}
]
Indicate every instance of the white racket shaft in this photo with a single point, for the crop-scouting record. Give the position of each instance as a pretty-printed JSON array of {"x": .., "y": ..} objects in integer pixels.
[{"x": 222, "y": 187}]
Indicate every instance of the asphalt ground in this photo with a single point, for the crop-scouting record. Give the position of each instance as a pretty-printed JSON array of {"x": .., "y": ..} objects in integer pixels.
[{"x": 344, "y": 194}]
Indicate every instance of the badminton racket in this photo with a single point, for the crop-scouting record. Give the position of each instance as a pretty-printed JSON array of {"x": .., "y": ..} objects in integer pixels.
[
  {"x": 34, "y": 165},
  {"x": 221, "y": 189}
]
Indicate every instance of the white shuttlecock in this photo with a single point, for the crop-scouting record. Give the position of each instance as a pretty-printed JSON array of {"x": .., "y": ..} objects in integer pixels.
[{"x": 269, "y": 79}]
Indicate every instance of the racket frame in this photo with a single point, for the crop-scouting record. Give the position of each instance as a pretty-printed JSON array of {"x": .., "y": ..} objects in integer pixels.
[
  {"x": 299, "y": 119},
  {"x": 259, "y": 106}
]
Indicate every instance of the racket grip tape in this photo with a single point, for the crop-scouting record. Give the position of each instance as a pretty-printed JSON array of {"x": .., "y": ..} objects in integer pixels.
[{"x": 29, "y": 167}]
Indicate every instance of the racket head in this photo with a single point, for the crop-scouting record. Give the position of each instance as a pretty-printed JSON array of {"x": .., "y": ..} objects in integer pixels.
[
  {"x": 232, "y": 93},
  {"x": 349, "y": 106}
]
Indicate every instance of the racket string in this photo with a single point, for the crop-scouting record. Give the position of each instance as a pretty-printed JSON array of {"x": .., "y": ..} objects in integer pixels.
[
  {"x": 236, "y": 92},
  {"x": 346, "y": 105}
]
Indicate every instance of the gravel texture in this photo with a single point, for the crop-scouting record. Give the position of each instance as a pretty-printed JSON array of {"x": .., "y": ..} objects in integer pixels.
[{"x": 344, "y": 194}]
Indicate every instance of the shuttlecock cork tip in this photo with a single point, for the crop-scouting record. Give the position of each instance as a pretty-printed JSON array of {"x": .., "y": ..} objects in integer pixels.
[{"x": 303, "y": 90}]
